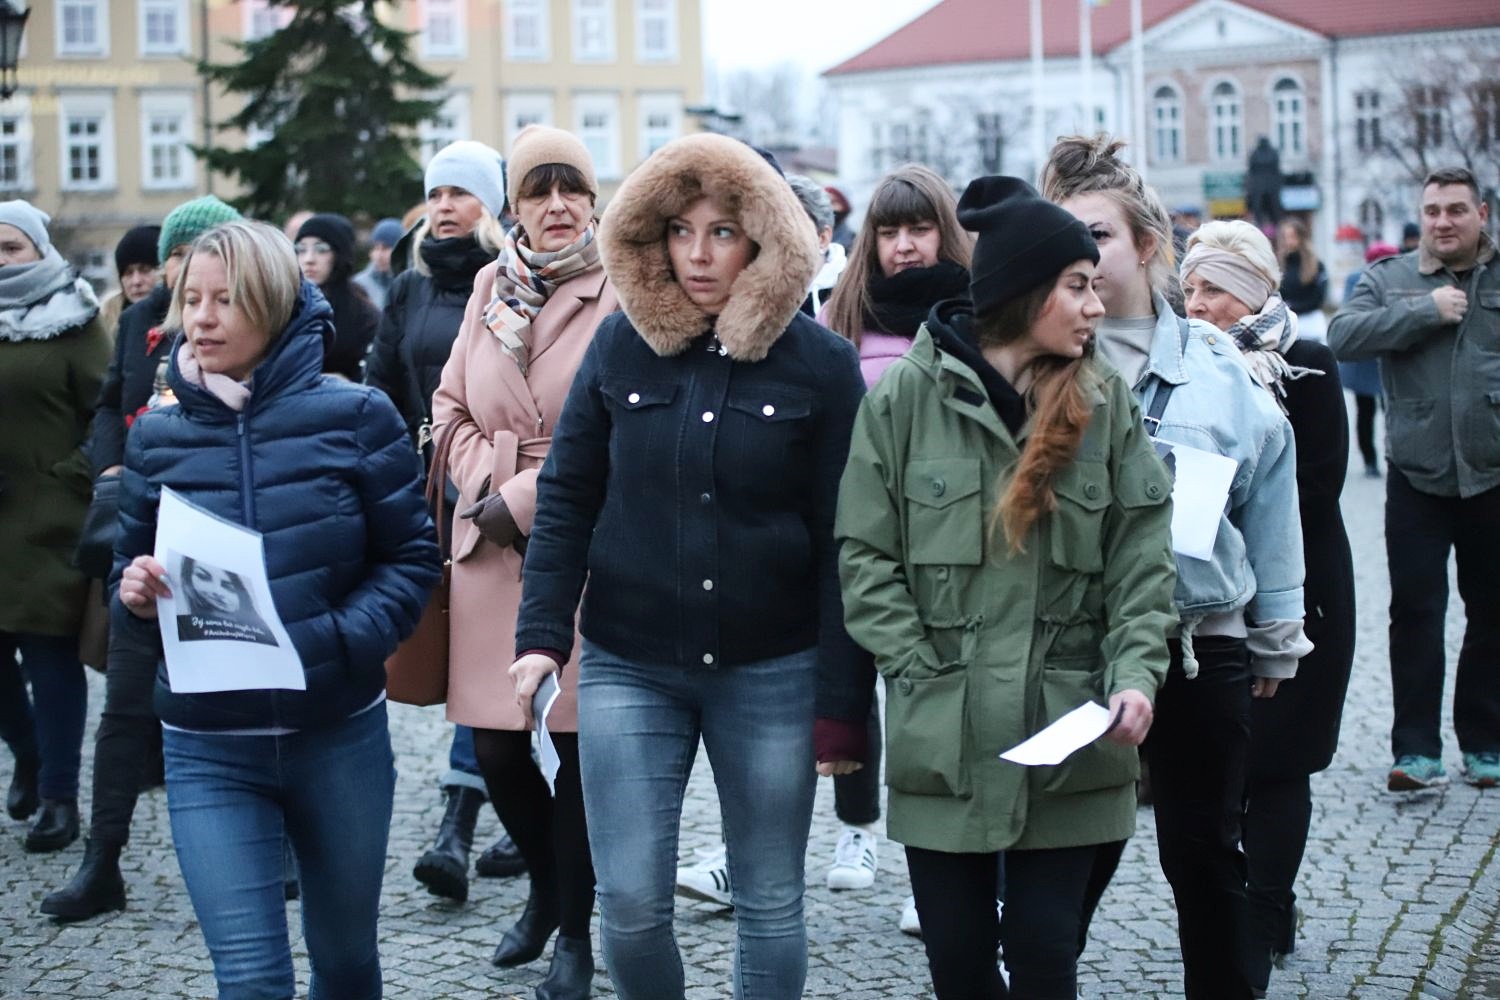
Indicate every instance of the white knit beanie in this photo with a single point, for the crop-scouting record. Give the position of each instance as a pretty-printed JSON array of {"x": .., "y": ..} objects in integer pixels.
[{"x": 470, "y": 165}]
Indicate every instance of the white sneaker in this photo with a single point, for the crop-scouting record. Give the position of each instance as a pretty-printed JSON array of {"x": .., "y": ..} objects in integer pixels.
[
  {"x": 708, "y": 880},
  {"x": 854, "y": 860},
  {"x": 910, "y": 922}
]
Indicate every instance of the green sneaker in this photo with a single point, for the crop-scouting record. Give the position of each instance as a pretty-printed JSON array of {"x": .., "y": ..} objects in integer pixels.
[
  {"x": 1412, "y": 772},
  {"x": 1482, "y": 770}
]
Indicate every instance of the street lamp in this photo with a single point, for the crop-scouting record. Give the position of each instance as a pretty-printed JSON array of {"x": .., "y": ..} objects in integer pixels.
[{"x": 12, "y": 24}]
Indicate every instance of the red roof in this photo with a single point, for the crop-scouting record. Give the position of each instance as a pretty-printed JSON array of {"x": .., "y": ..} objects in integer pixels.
[{"x": 963, "y": 31}]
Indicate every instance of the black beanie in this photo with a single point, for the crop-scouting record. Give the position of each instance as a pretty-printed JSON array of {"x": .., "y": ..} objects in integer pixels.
[
  {"x": 137, "y": 246},
  {"x": 333, "y": 229},
  {"x": 1022, "y": 240}
]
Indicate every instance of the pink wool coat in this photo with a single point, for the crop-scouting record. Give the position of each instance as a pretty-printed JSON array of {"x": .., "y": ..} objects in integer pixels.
[{"x": 501, "y": 422}]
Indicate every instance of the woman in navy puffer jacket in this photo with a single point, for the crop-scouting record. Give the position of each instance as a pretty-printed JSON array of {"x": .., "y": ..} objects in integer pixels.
[{"x": 326, "y": 472}]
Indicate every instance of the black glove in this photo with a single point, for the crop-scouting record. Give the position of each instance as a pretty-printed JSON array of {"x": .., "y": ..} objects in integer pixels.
[{"x": 494, "y": 520}]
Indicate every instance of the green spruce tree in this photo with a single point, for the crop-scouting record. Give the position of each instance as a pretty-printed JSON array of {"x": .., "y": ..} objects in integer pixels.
[{"x": 331, "y": 90}]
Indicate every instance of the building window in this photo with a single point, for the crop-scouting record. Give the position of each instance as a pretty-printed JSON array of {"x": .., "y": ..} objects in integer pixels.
[
  {"x": 15, "y": 144},
  {"x": 656, "y": 30},
  {"x": 163, "y": 27},
  {"x": 991, "y": 136},
  {"x": 449, "y": 124},
  {"x": 596, "y": 120},
  {"x": 1226, "y": 114},
  {"x": 166, "y": 127},
  {"x": 1166, "y": 125},
  {"x": 660, "y": 119},
  {"x": 1429, "y": 107},
  {"x": 1367, "y": 121},
  {"x": 1289, "y": 117},
  {"x": 528, "y": 30},
  {"x": 899, "y": 149},
  {"x": 526, "y": 109},
  {"x": 82, "y": 28},
  {"x": 1486, "y": 100},
  {"x": 443, "y": 29},
  {"x": 261, "y": 19},
  {"x": 86, "y": 126},
  {"x": 593, "y": 30},
  {"x": 1371, "y": 219}
]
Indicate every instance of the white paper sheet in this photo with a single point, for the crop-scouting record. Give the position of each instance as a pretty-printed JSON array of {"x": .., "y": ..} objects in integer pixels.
[
  {"x": 541, "y": 707},
  {"x": 1200, "y": 494},
  {"x": 1073, "y": 731},
  {"x": 219, "y": 629}
]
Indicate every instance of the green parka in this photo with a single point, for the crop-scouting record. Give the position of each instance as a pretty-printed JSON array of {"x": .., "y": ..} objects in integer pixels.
[{"x": 981, "y": 648}]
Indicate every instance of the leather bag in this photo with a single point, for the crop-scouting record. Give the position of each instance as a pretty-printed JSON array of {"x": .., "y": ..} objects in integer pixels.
[{"x": 417, "y": 672}]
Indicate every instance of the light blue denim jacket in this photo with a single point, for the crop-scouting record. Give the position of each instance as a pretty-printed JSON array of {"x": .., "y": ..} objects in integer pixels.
[{"x": 1257, "y": 558}]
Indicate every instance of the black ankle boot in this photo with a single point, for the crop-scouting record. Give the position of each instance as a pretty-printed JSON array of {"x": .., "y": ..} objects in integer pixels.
[
  {"x": 444, "y": 870},
  {"x": 571, "y": 975},
  {"x": 22, "y": 799},
  {"x": 96, "y": 887},
  {"x": 526, "y": 940},
  {"x": 56, "y": 826},
  {"x": 500, "y": 860}
]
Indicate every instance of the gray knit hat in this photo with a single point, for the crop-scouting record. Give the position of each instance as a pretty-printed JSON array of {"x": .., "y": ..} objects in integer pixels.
[
  {"x": 470, "y": 165},
  {"x": 28, "y": 219},
  {"x": 191, "y": 219}
]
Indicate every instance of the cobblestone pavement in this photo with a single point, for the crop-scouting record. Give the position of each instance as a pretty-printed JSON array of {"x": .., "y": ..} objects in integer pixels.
[{"x": 1398, "y": 893}]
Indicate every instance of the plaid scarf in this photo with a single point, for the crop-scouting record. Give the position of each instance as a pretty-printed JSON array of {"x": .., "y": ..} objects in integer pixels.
[
  {"x": 1263, "y": 338},
  {"x": 525, "y": 281}
]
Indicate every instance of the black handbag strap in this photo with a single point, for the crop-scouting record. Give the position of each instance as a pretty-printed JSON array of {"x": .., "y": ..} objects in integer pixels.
[{"x": 1163, "y": 393}]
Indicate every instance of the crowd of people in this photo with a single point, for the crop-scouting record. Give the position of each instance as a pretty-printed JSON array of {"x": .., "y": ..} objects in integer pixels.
[{"x": 715, "y": 465}]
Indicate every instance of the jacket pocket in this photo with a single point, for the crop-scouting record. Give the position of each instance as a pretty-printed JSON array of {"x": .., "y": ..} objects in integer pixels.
[
  {"x": 1083, "y": 495},
  {"x": 767, "y": 430},
  {"x": 925, "y": 734},
  {"x": 1066, "y": 684},
  {"x": 1416, "y": 444},
  {"x": 627, "y": 395},
  {"x": 944, "y": 512}
]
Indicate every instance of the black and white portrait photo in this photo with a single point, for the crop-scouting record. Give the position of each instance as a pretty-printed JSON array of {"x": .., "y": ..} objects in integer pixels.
[{"x": 218, "y": 605}]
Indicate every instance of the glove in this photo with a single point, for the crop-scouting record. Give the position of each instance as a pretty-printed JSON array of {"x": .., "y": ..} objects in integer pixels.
[{"x": 494, "y": 520}]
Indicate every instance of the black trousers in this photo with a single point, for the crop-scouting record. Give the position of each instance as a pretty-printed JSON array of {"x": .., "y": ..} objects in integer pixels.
[
  {"x": 856, "y": 797},
  {"x": 1044, "y": 903},
  {"x": 1364, "y": 427},
  {"x": 128, "y": 735},
  {"x": 1277, "y": 817},
  {"x": 1420, "y": 530},
  {"x": 550, "y": 832},
  {"x": 1198, "y": 750}
]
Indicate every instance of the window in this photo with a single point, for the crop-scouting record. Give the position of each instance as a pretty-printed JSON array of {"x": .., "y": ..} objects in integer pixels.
[
  {"x": 1367, "y": 121},
  {"x": 1289, "y": 119},
  {"x": 82, "y": 28},
  {"x": 450, "y": 124},
  {"x": 1371, "y": 219},
  {"x": 166, "y": 127},
  {"x": 1486, "y": 101},
  {"x": 261, "y": 19},
  {"x": 596, "y": 120},
  {"x": 661, "y": 121},
  {"x": 15, "y": 144},
  {"x": 526, "y": 109},
  {"x": 163, "y": 27},
  {"x": 1166, "y": 125},
  {"x": 87, "y": 132},
  {"x": 656, "y": 30},
  {"x": 988, "y": 127},
  {"x": 1225, "y": 113},
  {"x": 593, "y": 30},
  {"x": 528, "y": 31},
  {"x": 899, "y": 149},
  {"x": 443, "y": 29},
  {"x": 1429, "y": 106}
]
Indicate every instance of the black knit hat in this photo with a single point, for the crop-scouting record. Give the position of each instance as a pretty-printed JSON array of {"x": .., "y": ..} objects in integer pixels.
[
  {"x": 1022, "y": 240},
  {"x": 137, "y": 246},
  {"x": 333, "y": 229}
]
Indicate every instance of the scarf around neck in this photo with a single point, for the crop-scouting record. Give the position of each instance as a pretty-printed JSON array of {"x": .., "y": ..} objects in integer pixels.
[
  {"x": 525, "y": 280},
  {"x": 44, "y": 298},
  {"x": 900, "y": 304},
  {"x": 1263, "y": 339},
  {"x": 232, "y": 394},
  {"x": 454, "y": 260}
]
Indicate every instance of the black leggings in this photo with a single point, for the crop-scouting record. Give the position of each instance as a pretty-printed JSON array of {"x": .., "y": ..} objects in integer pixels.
[
  {"x": 1364, "y": 427},
  {"x": 856, "y": 797},
  {"x": 128, "y": 735},
  {"x": 550, "y": 833},
  {"x": 1277, "y": 817},
  {"x": 1044, "y": 902}
]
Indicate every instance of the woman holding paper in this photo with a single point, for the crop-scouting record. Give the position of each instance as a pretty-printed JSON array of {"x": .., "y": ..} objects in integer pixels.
[
  {"x": 1239, "y": 630},
  {"x": 325, "y": 471},
  {"x": 1006, "y": 557},
  {"x": 1230, "y": 278},
  {"x": 530, "y": 320}
]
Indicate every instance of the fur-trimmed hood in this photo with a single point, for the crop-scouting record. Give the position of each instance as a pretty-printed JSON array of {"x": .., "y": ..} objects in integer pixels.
[{"x": 768, "y": 292}]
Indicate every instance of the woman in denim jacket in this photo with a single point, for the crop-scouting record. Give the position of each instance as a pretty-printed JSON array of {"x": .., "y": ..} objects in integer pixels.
[
  {"x": 692, "y": 481},
  {"x": 1240, "y": 631}
]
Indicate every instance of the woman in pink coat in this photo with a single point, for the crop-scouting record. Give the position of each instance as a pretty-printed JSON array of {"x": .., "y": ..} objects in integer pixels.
[{"x": 528, "y": 323}]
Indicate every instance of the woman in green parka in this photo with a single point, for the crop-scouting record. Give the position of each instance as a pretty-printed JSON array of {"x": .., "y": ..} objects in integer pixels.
[
  {"x": 1006, "y": 557},
  {"x": 53, "y": 352}
]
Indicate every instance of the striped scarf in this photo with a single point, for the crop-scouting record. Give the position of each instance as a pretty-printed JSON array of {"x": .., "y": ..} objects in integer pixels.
[
  {"x": 1263, "y": 339},
  {"x": 525, "y": 281}
]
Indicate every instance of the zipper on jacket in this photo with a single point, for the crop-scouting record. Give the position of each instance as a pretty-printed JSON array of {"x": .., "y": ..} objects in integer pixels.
[{"x": 247, "y": 494}]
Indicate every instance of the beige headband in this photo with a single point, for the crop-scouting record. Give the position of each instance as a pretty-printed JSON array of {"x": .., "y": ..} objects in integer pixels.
[{"x": 1231, "y": 272}]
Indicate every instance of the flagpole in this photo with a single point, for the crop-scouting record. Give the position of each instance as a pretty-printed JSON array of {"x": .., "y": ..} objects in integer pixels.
[
  {"x": 1038, "y": 116},
  {"x": 1086, "y": 63},
  {"x": 1138, "y": 87}
]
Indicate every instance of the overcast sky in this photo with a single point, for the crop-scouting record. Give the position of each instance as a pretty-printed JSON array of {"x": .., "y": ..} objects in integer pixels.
[{"x": 815, "y": 33}]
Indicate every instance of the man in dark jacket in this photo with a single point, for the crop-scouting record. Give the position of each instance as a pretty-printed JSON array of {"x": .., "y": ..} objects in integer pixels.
[{"x": 1433, "y": 319}]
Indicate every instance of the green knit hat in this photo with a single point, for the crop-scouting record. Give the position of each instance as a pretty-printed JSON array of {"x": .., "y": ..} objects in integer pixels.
[{"x": 188, "y": 221}]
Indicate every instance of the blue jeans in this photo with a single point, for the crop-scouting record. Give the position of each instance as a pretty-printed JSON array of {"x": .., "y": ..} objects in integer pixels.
[
  {"x": 638, "y": 728},
  {"x": 53, "y": 727},
  {"x": 463, "y": 767},
  {"x": 330, "y": 791}
]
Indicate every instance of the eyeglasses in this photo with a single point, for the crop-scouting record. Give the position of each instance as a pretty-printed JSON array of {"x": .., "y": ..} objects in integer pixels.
[{"x": 316, "y": 248}]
